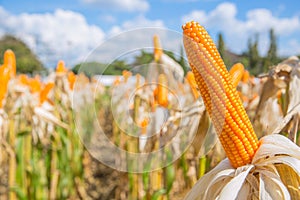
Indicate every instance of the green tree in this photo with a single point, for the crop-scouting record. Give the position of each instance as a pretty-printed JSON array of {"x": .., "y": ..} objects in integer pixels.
[
  {"x": 89, "y": 68},
  {"x": 221, "y": 44},
  {"x": 253, "y": 56},
  {"x": 140, "y": 60},
  {"x": 26, "y": 61},
  {"x": 116, "y": 67},
  {"x": 271, "y": 58},
  {"x": 223, "y": 51},
  {"x": 96, "y": 68},
  {"x": 143, "y": 58}
]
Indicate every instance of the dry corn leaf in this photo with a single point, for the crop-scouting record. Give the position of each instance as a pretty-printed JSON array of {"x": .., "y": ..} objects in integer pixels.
[
  {"x": 290, "y": 178},
  {"x": 271, "y": 187},
  {"x": 49, "y": 117},
  {"x": 171, "y": 66},
  {"x": 294, "y": 111},
  {"x": 283, "y": 78},
  {"x": 228, "y": 192}
]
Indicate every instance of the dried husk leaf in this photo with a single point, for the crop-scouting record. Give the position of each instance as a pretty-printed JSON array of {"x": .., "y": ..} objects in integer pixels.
[
  {"x": 271, "y": 187},
  {"x": 237, "y": 182},
  {"x": 273, "y": 145},
  {"x": 291, "y": 179},
  {"x": 283, "y": 77},
  {"x": 294, "y": 111},
  {"x": 199, "y": 190},
  {"x": 172, "y": 66},
  {"x": 49, "y": 117}
]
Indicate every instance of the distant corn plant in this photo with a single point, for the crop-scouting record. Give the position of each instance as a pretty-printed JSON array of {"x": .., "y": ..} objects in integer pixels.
[{"x": 43, "y": 152}]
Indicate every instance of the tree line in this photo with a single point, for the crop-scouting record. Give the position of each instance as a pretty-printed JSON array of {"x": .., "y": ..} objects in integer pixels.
[
  {"x": 27, "y": 62},
  {"x": 251, "y": 58}
]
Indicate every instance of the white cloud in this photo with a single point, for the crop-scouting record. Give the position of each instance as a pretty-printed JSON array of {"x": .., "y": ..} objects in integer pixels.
[
  {"x": 62, "y": 34},
  {"x": 224, "y": 19},
  {"x": 127, "y": 39},
  {"x": 108, "y": 18},
  {"x": 138, "y": 22},
  {"x": 66, "y": 35},
  {"x": 261, "y": 20},
  {"x": 123, "y": 5}
]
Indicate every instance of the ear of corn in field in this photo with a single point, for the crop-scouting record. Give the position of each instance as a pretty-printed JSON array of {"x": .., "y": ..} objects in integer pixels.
[
  {"x": 253, "y": 170},
  {"x": 40, "y": 148}
]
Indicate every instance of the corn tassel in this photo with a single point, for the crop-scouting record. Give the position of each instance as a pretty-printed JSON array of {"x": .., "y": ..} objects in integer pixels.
[{"x": 220, "y": 97}]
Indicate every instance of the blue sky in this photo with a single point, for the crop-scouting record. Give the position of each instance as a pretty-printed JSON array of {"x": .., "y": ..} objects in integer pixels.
[{"x": 70, "y": 29}]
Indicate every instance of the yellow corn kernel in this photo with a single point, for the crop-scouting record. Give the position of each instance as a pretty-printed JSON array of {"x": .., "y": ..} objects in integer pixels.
[
  {"x": 236, "y": 72},
  {"x": 219, "y": 95}
]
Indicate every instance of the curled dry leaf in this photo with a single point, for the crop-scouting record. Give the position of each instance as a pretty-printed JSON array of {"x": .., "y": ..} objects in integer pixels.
[{"x": 280, "y": 95}]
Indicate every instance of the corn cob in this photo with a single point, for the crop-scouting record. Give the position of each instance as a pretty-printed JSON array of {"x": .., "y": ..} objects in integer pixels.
[
  {"x": 71, "y": 79},
  {"x": 246, "y": 77},
  {"x": 60, "y": 68},
  {"x": 191, "y": 80},
  {"x": 23, "y": 79},
  {"x": 9, "y": 60},
  {"x": 236, "y": 72},
  {"x": 5, "y": 76},
  {"x": 162, "y": 90},
  {"x": 221, "y": 99},
  {"x": 157, "y": 48},
  {"x": 35, "y": 84},
  {"x": 126, "y": 74},
  {"x": 44, "y": 92}
]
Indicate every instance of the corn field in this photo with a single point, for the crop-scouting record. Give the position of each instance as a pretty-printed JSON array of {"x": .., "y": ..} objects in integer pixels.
[{"x": 54, "y": 130}]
